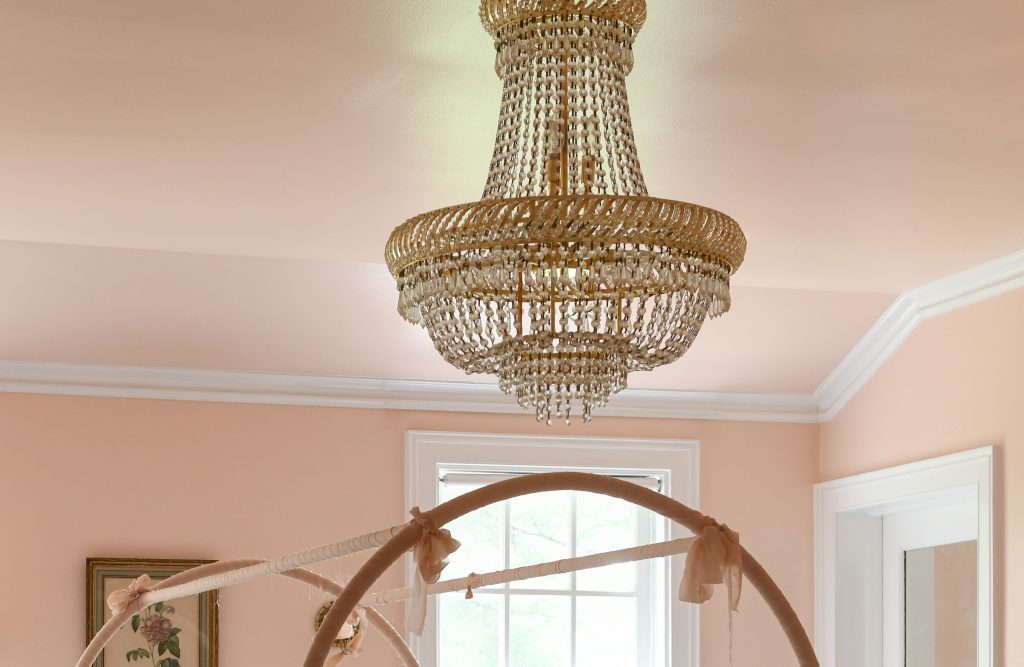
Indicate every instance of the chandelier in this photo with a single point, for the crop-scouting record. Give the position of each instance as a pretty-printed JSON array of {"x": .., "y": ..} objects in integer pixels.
[{"x": 567, "y": 275}]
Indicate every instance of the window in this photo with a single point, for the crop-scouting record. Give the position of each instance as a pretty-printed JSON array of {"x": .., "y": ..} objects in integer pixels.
[{"x": 620, "y": 615}]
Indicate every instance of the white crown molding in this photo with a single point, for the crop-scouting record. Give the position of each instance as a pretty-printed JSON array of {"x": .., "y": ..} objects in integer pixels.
[
  {"x": 307, "y": 390},
  {"x": 852, "y": 373},
  {"x": 905, "y": 315}
]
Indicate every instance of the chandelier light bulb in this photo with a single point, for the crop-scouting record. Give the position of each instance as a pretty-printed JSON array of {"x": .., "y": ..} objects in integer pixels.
[{"x": 567, "y": 275}]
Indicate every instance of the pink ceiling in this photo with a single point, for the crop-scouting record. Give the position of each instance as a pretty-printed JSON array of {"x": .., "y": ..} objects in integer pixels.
[
  {"x": 866, "y": 148},
  {"x": 151, "y": 308}
]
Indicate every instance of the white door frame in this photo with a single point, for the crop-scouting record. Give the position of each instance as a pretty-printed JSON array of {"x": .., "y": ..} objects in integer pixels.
[{"x": 894, "y": 489}]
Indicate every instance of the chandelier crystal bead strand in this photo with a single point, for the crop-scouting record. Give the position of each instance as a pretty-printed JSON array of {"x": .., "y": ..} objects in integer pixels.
[{"x": 567, "y": 275}]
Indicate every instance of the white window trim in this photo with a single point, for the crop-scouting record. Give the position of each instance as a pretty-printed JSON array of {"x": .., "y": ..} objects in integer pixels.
[
  {"x": 900, "y": 488},
  {"x": 677, "y": 460}
]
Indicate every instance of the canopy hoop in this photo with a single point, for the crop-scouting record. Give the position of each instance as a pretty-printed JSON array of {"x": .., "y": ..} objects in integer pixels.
[{"x": 443, "y": 514}]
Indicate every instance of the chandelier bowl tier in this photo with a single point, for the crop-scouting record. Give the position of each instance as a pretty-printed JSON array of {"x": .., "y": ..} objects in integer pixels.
[{"x": 566, "y": 276}]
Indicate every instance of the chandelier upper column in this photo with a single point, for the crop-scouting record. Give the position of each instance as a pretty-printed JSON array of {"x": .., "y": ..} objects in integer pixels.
[{"x": 564, "y": 125}]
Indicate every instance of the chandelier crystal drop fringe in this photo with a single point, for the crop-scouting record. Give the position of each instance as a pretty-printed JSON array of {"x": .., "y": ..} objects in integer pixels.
[{"x": 566, "y": 276}]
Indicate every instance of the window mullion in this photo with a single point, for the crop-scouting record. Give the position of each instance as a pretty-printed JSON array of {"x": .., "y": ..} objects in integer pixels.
[
  {"x": 554, "y": 592},
  {"x": 507, "y": 652},
  {"x": 644, "y": 584},
  {"x": 572, "y": 580}
]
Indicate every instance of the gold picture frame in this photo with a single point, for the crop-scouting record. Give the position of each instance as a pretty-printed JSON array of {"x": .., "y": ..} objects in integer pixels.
[{"x": 160, "y": 635}]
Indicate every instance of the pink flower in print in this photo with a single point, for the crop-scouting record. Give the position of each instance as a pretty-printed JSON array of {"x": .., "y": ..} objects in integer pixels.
[{"x": 155, "y": 629}]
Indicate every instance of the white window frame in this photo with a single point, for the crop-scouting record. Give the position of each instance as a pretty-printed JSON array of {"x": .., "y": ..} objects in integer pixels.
[{"x": 677, "y": 462}]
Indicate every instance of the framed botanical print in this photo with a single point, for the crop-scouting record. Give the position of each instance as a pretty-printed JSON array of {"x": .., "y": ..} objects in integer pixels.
[{"x": 179, "y": 633}]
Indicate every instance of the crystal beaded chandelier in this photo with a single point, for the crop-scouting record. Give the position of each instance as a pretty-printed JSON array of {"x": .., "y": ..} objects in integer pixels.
[{"x": 566, "y": 276}]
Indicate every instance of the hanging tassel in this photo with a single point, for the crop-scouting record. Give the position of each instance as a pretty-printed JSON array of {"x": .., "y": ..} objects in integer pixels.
[{"x": 471, "y": 584}]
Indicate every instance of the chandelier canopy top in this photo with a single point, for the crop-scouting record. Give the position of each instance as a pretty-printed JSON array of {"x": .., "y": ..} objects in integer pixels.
[
  {"x": 566, "y": 275},
  {"x": 498, "y": 14}
]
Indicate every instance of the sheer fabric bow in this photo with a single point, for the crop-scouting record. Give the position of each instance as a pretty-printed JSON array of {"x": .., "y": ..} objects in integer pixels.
[
  {"x": 119, "y": 601},
  {"x": 715, "y": 557},
  {"x": 431, "y": 555}
]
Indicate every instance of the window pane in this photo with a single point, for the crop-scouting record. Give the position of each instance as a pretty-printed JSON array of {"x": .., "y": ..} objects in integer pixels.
[
  {"x": 605, "y": 524},
  {"x": 480, "y": 533},
  {"x": 471, "y": 630},
  {"x": 536, "y": 629},
  {"x": 539, "y": 631},
  {"x": 539, "y": 526},
  {"x": 606, "y": 632}
]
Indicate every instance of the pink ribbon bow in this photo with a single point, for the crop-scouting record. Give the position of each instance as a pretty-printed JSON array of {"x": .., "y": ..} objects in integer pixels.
[
  {"x": 431, "y": 555},
  {"x": 119, "y": 601},
  {"x": 715, "y": 557}
]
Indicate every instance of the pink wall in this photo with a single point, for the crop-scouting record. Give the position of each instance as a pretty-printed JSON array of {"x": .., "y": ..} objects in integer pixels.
[
  {"x": 108, "y": 477},
  {"x": 958, "y": 383}
]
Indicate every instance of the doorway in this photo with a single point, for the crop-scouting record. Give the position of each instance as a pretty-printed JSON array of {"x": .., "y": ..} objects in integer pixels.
[{"x": 903, "y": 560}]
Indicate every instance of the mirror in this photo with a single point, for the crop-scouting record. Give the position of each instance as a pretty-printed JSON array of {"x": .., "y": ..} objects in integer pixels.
[{"x": 941, "y": 605}]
